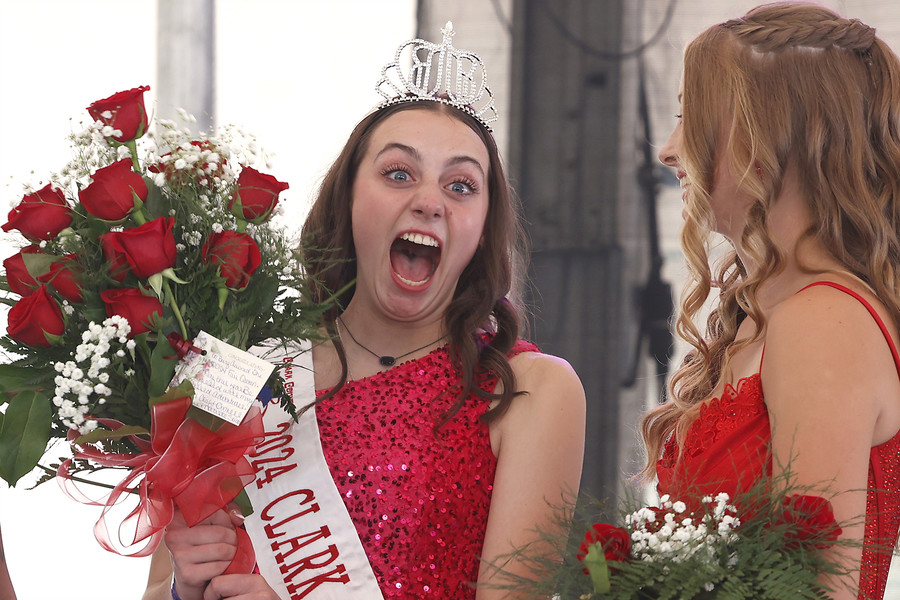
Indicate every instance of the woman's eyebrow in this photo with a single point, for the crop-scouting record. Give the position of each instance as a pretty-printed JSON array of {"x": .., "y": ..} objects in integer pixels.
[
  {"x": 464, "y": 159},
  {"x": 402, "y": 147}
]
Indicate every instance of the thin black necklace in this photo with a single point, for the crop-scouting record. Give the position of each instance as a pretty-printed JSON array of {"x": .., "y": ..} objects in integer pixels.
[{"x": 386, "y": 360}]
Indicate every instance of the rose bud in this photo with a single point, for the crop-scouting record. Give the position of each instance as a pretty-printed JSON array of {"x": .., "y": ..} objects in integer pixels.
[
  {"x": 144, "y": 250},
  {"x": 236, "y": 255},
  {"x": 124, "y": 112},
  {"x": 110, "y": 195},
  {"x": 18, "y": 278},
  {"x": 137, "y": 308},
  {"x": 41, "y": 215},
  {"x": 63, "y": 279},
  {"x": 256, "y": 195},
  {"x": 33, "y": 318}
]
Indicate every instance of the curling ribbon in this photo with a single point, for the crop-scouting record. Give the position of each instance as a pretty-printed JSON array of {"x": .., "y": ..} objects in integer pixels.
[{"x": 184, "y": 464}]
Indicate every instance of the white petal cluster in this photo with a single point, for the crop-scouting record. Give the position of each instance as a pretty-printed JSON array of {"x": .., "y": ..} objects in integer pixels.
[
  {"x": 193, "y": 238},
  {"x": 208, "y": 164},
  {"x": 82, "y": 381},
  {"x": 674, "y": 535},
  {"x": 92, "y": 151}
]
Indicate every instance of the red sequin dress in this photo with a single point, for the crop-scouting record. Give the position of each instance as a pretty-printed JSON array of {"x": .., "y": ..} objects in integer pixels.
[
  {"x": 419, "y": 500},
  {"x": 726, "y": 451}
]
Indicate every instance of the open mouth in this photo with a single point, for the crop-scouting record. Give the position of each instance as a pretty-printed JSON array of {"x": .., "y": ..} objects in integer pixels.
[{"x": 414, "y": 258}]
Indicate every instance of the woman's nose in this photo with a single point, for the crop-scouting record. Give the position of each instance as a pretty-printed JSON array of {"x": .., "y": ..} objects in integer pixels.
[
  {"x": 428, "y": 203},
  {"x": 668, "y": 153}
]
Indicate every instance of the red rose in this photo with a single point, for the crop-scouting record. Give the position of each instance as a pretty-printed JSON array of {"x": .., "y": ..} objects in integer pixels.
[
  {"x": 18, "y": 278},
  {"x": 123, "y": 111},
  {"x": 138, "y": 309},
  {"x": 63, "y": 279},
  {"x": 615, "y": 541},
  {"x": 110, "y": 196},
  {"x": 808, "y": 517},
  {"x": 236, "y": 254},
  {"x": 256, "y": 195},
  {"x": 145, "y": 250},
  {"x": 41, "y": 215},
  {"x": 34, "y": 317}
]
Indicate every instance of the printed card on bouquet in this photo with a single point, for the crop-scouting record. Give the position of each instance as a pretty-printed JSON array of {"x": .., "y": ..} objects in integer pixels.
[{"x": 226, "y": 379}]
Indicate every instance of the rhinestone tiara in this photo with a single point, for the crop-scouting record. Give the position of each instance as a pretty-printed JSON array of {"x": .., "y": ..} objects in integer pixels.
[{"x": 459, "y": 80}]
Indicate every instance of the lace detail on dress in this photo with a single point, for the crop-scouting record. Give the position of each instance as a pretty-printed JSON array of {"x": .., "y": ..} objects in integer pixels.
[{"x": 736, "y": 405}]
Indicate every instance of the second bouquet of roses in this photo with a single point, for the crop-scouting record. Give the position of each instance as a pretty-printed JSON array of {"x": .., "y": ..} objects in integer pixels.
[
  {"x": 773, "y": 541},
  {"x": 147, "y": 238}
]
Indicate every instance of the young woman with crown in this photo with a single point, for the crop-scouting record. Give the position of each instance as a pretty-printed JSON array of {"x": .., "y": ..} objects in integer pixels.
[
  {"x": 789, "y": 147},
  {"x": 438, "y": 441}
]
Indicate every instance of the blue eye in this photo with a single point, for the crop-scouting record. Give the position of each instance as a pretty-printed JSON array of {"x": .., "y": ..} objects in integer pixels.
[
  {"x": 464, "y": 186},
  {"x": 398, "y": 175}
]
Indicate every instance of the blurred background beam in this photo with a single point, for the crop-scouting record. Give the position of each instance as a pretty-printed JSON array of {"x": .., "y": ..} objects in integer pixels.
[
  {"x": 578, "y": 152},
  {"x": 186, "y": 63}
]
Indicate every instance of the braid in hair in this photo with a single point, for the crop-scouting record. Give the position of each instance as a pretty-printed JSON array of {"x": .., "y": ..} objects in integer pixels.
[{"x": 769, "y": 34}]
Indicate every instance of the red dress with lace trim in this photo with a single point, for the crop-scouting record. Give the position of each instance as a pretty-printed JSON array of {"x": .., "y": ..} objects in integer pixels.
[{"x": 727, "y": 447}]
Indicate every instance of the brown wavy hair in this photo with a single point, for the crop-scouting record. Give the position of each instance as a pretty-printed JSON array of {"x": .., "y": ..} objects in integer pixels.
[
  {"x": 487, "y": 293},
  {"x": 786, "y": 83}
]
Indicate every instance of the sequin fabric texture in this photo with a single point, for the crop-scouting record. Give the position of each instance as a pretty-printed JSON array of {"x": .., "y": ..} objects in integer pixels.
[
  {"x": 726, "y": 450},
  {"x": 419, "y": 499}
]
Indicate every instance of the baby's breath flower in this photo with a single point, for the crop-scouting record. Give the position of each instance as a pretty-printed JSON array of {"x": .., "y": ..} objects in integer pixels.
[{"x": 78, "y": 389}]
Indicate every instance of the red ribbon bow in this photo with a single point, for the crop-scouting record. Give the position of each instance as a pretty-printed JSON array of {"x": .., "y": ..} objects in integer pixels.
[{"x": 185, "y": 465}]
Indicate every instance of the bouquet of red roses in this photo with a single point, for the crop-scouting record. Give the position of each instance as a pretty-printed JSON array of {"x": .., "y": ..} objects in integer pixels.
[
  {"x": 774, "y": 551},
  {"x": 147, "y": 237},
  {"x": 762, "y": 545}
]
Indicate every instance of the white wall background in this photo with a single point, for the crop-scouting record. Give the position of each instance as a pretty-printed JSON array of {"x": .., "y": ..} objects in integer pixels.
[{"x": 297, "y": 73}]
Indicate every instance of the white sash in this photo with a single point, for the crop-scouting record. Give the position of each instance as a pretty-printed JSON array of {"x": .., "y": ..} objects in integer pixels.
[{"x": 306, "y": 544}]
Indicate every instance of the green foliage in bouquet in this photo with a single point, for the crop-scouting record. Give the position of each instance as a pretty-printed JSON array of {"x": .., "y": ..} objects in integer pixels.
[
  {"x": 139, "y": 243},
  {"x": 761, "y": 546}
]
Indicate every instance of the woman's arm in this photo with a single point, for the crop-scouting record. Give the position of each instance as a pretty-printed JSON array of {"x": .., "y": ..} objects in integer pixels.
[
  {"x": 827, "y": 377},
  {"x": 539, "y": 444},
  {"x": 159, "y": 579}
]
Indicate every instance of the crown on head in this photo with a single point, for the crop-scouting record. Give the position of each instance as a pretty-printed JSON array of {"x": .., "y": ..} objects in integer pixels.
[{"x": 440, "y": 73}]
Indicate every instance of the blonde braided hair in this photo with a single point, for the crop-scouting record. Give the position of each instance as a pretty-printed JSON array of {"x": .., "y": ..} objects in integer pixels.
[{"x": 768, "y": 32}]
